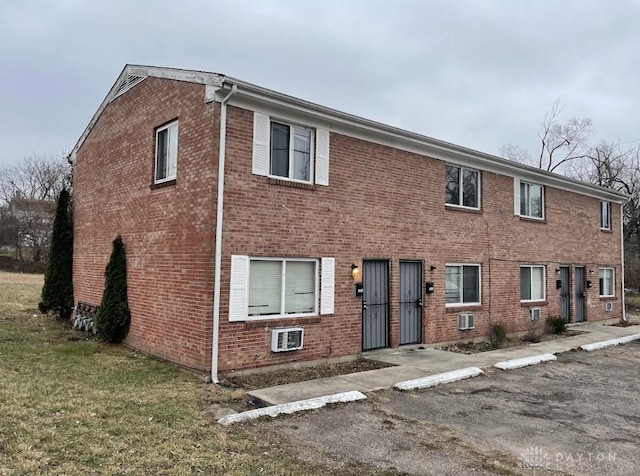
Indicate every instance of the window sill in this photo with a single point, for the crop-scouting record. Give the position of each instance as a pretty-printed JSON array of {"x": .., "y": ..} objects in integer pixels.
[
  {"x": 533, "y": 303},
  {"x": 463, "y": 308},
  {"x": 284, "y": 322},
  {"x": 290, "y": 183},
  {"x": 605, "y": 230},
  {"x": 460, "y": 208},
  {"x": 167, "y": 183},
  {"x": 606, "y": 298},
  {"x": 533, "y": 220}
]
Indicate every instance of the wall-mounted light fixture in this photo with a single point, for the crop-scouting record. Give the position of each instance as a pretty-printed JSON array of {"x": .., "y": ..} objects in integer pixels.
[
  {"x": 557, "y": 270},
  {"x": 355, "y": 273},
  {"x": 432, "y": 268}
]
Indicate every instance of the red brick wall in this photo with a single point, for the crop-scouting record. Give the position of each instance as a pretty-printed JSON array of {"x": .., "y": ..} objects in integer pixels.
[
  {"x": 389, "y": 204},
  {"x": 381, "y": 203},
  {"x": 168, "y": 232}
]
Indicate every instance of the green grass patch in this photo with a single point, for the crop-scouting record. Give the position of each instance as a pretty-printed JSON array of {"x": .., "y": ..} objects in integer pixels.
[{"x": 73, "y": 406}]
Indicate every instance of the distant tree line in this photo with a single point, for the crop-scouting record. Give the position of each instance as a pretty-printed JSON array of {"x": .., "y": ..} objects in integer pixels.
[{"x": 28, "y": 191}]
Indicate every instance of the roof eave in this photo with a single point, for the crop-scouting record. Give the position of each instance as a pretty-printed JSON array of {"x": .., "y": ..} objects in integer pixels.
[{"x": 430, "y": 145}]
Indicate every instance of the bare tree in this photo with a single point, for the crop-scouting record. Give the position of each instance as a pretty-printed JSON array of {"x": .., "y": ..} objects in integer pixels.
[
  {"x": 28, "y": 190},
  {"x": 34, "y": 177},
  {"x": 560, "y": 143}
]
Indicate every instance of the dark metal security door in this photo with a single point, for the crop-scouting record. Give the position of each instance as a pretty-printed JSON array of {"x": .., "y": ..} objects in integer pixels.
[
  {"x": 375, "y": 304},
  {"x": 410, "y": 302},
  {"x": 565, "y": 293},
  {"x": 580, "y": 294}
]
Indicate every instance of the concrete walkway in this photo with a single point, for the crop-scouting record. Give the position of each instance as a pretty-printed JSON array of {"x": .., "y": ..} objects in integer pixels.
[{"x": 416, "y": 363}]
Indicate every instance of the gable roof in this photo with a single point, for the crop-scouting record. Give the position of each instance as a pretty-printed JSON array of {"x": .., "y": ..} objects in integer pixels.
[{"x": 348, "y": 124}]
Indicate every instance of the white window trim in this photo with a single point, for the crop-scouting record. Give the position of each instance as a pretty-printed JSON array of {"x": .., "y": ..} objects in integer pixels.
[
  {"x": 613, "y": 282},
  {"x": 155, "y": 159},
  {"x": 460, "y": 197},
  {"x": 542, "y": 188},
  {"x": 608, "y": 225},
  {"x": 283, "y": 290},
  {"x": 544, "y": 282},
  {"x": 312, "y": 154},
  {"x": 460, "y": 285}
]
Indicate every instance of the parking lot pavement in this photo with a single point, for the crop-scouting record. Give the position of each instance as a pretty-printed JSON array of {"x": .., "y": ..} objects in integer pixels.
[{"x": 577, "y": 415}]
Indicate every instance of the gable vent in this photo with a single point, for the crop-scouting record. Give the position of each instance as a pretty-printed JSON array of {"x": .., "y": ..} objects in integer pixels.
[{"x": 130, "y": 81}]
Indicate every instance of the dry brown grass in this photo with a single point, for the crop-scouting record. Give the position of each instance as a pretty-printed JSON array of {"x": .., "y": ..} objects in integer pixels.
[{"x": 71, "y": 406}]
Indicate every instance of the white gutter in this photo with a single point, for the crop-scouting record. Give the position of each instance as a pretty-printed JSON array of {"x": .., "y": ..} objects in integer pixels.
[
  {"x": 624, "y": 310},
  {"x": 218, "y": 260}
]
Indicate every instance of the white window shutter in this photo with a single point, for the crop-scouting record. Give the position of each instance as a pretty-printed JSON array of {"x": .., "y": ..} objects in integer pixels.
[
  {"x": 173, "y": 151},
  {"x": 261, "y": 140},
  {"x": 516, "y": 196},
  {"x": 327, "y": 290},
  {"x": 322, "y": 157},
  {"x": 238, "y": 288}
]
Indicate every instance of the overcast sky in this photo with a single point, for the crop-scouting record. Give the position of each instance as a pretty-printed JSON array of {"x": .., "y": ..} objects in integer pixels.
[{"x": 479, "y": 73}]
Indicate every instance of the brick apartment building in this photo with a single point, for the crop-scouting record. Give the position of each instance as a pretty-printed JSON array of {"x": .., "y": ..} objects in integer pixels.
[{"x": 249, "y": 215}]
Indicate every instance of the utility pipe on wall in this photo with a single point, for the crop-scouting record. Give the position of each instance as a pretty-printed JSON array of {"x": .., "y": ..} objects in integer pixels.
[{"x": 218, "y": 251}]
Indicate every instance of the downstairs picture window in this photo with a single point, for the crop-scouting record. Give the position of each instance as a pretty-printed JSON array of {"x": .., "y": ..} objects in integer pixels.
[
  {"x": 462, "y": 285},
  {"x": 282, "y": 287},
  {"x": 606, "y": 282},
  {"x": 532, "y": 283}
]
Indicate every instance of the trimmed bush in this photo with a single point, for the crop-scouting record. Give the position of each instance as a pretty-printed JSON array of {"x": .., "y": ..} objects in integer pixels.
[
  {"x": 113, "y": 317},
  {"x": 555, "y": 325},
  {"x": 497, "y": 335},
  {"x": 57, "y": 292}
]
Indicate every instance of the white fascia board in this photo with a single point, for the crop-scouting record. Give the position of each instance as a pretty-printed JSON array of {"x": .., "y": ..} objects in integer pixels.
[{"x": 257, "y": 98}]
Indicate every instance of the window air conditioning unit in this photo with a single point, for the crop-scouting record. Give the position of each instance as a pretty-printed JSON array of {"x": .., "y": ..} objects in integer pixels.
[
  {"x": 608, "y": 306},
  {"x": 465, "y": 321},
  {"x": 534, "y": 313},
  {"x": 283, "y": 340}
]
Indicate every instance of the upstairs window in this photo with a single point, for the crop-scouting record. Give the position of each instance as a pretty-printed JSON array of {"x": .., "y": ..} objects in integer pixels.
[
  {"x": 462, "y": 284},
  {"x": 166, "y": 152},
  {"x": 462, "y": 186},
  {"x": 532, "y": 283},
  {"x": 291, "y": 155},
  {"x": 289, "y": 152},
  {"x": 531, "y": 200},
  {"x": 605, "y": 215},
  {"x": 606, "y": 282}
]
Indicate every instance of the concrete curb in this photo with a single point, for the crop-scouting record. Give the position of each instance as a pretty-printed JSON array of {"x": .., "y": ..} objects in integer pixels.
[
  {"x": 292, "y": 407},
  {"x": 609, "y": 343},
  {"x": 438, "y": 379},
  {"x": 524, "y": 361}
]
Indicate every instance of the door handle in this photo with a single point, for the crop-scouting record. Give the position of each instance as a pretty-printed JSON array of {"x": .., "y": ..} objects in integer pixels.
[
  {"x": 419, "y": 302},
  {"x": 364, "y": 305}
]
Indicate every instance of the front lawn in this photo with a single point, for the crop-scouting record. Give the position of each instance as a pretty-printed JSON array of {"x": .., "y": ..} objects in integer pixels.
[{"x": 70, "y": 406}]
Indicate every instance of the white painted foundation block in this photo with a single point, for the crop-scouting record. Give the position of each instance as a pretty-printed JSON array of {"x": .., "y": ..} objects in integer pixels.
[
  {"x": 603, "y": 344},
  {"x": 292, "y": 407},
  {"x": 524, "y": 361},
  {"x": 437, "y": 379}
]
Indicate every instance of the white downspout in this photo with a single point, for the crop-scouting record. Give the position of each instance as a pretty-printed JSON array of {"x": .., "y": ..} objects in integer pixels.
[
  {"x": 624, "y": 310},
  {"x": 218, "y": 255}
]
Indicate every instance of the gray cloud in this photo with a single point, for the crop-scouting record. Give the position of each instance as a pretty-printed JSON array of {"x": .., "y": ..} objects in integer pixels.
[{"x": 477, "y": 73}]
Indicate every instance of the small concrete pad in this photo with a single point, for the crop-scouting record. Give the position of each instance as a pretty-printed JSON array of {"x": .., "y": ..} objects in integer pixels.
[
  {"x": 524, "y": 361},
  {"x": 609, "y": 343},
  {"x": 292, "y": 407},
  {"x": 438, "y": 379}
]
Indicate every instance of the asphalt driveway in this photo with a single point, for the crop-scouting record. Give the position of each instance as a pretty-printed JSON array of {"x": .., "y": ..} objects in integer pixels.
[{"x": 578, "y": 415}]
